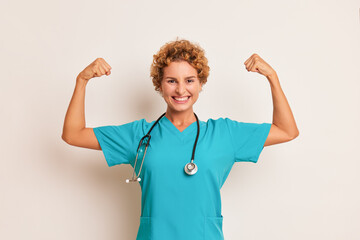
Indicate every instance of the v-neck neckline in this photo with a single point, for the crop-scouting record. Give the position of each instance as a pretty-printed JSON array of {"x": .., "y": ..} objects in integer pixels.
[{"x": 175, "y": 130}]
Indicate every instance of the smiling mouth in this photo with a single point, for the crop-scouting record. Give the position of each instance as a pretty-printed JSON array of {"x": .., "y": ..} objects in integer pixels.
[{"x": 181, "y": 100}]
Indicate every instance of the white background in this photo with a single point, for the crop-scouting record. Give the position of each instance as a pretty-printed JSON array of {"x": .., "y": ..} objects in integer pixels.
[{"x": 304, "y": 189}]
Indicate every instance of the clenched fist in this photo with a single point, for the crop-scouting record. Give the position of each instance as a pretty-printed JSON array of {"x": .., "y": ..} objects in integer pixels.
[
  {"x": 97, "y": 68},
  {"x": 256, "y": 64}
]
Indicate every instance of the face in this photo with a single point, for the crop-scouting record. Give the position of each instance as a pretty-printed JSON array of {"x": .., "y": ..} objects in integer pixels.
[{"x": 180, "y": 86}]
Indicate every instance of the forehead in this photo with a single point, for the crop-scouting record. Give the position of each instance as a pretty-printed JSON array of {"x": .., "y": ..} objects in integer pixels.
[{"x": 179, "y": 68}]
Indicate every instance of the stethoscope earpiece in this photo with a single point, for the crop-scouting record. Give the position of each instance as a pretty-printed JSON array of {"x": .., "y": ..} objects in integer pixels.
[
  {"x": 132, "y": 180},
  {"x": 190, "y": 168}
]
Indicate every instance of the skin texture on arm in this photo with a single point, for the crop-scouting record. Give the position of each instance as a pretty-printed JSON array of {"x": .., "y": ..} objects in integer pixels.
[
  {"x": 74, "y": 130},
  {"x": 283, "y": 128}
]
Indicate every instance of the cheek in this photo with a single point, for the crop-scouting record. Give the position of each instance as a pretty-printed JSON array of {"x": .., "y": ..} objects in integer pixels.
[{"x": 196, "y": 90}]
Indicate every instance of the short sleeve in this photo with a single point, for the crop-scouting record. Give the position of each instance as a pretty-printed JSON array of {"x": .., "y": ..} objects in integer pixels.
[
  {"x": 248, "y": 139},
  {"x": 118, "y": 143}
]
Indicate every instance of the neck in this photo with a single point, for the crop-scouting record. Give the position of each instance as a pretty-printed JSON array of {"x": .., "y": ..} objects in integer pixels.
[{"x": 181, "y": 118}]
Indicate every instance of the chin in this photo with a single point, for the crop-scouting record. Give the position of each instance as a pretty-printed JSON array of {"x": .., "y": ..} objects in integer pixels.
[{"x": 179, "y": 109}]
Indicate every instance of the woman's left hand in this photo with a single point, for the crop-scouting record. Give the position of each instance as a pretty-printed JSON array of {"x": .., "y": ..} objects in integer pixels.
[{"x": 256, "y": 64}]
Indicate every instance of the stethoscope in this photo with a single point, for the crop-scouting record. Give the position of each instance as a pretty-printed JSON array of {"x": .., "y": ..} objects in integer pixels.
[{"x": 190, "y": 168}]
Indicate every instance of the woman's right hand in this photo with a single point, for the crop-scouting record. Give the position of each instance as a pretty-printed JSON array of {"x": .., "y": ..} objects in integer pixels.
[{"x": 97, "y": 68}]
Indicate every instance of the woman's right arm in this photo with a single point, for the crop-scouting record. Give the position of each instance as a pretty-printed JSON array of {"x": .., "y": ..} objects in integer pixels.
[{"x": 75, "y": 131}]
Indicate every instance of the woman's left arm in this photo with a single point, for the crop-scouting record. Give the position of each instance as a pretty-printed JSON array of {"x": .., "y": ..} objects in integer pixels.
[{"x": 283, "y": 128}]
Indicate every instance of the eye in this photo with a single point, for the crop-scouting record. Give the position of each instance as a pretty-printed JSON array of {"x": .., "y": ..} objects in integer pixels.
[
  {"x": 191, "y": 80},
  {"x": 171, "y": 81}
]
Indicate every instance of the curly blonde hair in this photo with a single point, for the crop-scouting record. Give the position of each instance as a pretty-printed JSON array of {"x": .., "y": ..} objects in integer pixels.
[{"x": 179, "y": 50}]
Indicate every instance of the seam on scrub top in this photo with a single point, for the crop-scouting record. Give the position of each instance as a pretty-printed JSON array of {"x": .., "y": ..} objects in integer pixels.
[
  {"x": 232, "y": 144},
  {"x": 261, "y": 147}
]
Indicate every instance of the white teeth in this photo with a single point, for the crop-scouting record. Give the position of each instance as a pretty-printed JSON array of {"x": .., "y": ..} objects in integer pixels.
[{"x": 181, "y": 99}]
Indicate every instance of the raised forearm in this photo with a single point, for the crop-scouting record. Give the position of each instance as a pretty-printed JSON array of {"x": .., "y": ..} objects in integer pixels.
[
  {"x": 75, "y": 115},
  {"x": 282, "y": 114}
]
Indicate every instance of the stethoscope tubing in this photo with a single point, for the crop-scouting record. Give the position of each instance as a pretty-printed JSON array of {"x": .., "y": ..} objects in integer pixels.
[{"x": 147, "y": 144}]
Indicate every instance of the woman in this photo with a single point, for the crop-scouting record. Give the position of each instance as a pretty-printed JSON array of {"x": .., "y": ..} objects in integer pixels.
[{"x": 187, "y": 160}]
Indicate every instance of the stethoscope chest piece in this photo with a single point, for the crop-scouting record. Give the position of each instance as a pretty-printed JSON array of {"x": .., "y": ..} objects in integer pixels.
[{"x": 190, "y": 168}]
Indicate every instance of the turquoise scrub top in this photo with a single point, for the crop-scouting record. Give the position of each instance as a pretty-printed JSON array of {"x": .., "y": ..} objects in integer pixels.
[{"x": 175, "y": 205}]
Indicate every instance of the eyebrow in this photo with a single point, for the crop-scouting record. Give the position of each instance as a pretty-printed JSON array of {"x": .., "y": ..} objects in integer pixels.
[{"x": 185, "y": 78}]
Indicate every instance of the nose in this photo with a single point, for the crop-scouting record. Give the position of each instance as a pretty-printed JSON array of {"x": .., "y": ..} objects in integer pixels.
[{"x": 181, "y": 88}]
